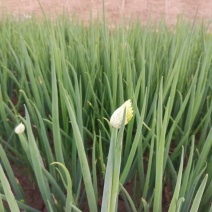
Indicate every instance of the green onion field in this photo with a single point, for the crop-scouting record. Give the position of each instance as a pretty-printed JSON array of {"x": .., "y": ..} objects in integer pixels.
[{"x": 63, "y": 80}]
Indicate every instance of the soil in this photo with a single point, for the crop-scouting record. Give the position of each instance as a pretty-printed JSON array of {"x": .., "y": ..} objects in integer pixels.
[
  {"x": 115, "y": 11},
  {"x": 30, "y": 188}
]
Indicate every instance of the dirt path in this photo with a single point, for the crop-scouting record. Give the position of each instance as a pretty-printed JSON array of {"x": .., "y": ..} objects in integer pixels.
[{"x": 115, "y": 9}]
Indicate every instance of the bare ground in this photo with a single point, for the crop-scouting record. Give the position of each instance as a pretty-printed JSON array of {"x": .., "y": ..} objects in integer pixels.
[{"x": 115, "y": 9}]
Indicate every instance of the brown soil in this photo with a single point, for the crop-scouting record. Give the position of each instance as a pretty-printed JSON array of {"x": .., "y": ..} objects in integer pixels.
[
  {"x": 114, "y": 9},
  {"x": 30, "y": 188}
]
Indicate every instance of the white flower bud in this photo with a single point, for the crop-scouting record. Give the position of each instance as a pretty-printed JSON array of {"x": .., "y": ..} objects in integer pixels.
[
  {"x": 117, "y": 116},
  {"x": 19, "y": 129}
]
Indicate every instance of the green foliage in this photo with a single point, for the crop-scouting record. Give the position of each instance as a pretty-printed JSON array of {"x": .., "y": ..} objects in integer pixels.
[{"x": 63, "y": 80}]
